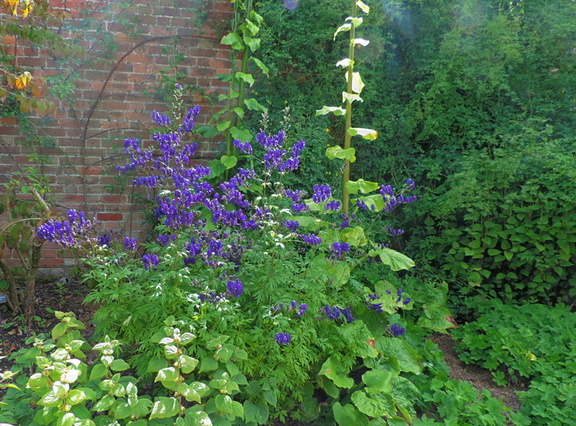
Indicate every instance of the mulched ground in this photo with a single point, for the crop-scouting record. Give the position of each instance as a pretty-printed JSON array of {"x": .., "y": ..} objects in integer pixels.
[{"x": 69, "y": 296}]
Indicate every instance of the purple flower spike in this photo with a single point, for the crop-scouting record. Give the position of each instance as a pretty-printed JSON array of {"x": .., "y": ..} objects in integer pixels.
[
  {"x": 235, "y": 288},
  {"x": 283, "y": 338},
  {"x": 321, "y": 193},
  {"x": 397, "y": 330},
  {"x": 150, "y": 260},
  {"x": 130, "y": 243}
]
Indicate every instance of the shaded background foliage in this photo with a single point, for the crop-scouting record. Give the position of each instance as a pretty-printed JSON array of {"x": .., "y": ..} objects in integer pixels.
[{"x": 474, "y": 100}]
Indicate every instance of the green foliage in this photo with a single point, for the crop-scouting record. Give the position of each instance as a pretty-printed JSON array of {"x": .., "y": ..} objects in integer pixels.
[
  {"x": 67, "y": 388},
  {"x": 505, "y": 227},
  {"x": 531, "y": 341}
]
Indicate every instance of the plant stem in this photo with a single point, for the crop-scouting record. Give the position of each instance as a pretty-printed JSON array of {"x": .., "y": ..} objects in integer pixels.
[{"x": 347, "y": 137}]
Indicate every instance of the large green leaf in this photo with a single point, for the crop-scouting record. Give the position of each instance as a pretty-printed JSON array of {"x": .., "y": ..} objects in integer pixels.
[
  {"x": 341, "y": 153},
  {"x": 402, "y": 351},
  {"x": 396, "y": 260},
  {"x": 361, "y": 185},
  {"x": 336, "y": 372},
  {"x": 348, "y": 415}
]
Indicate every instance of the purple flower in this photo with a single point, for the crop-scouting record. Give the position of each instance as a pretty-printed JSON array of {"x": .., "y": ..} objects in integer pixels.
[
  {"x": 299, "y": 207},
  {"x": 395, "y": 232},
  {"x": 235, "y": 288},
  {"x": 130, "y": 243},
  {"x": 361, "y": 205},
  {"x": 411, "y": 184},
  {"x": 292, "y": 225},
  {"x": 302, "y": 310},
  {"x": 406, "y": 301},
  {"x": 348, "y": 314},
  {"x": 243, "y": 147},
  {"x": 397, "y": 330},
  {"x": 164, "y": 239},
  {"x": 311, "y": 239},
  {"x": 338, "y": 249},
  {"x": 321, "y": 193},
  {"x": 332, "y": 313},
  {"x": 160, "y": 119},
  {"x": 283, "y": 338},
  {"x": 150, "y": 260},
  {"x": 333, "y": 205},
  {"x": 294, "y": 195}
]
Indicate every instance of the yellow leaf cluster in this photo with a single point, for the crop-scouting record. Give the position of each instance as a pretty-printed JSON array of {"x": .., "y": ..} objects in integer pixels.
[{"x": 25, "y": 6}]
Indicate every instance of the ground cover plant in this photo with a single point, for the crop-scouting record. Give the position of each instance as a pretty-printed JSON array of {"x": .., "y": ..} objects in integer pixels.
[{"x": 531, "y": 341}]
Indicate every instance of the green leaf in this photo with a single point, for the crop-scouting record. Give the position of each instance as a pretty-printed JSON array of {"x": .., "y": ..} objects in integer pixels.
[
  {"x": 164, "y": 408},
  {"x": 50, "y": 400},
  {"x": 334, "y": 110},
  {"x": 119, "y": 365},
  {"x": 378, "y": 381},
  {"x": 59, "y": 330},
  {"x": 361, "y": 185},
  {"x": 354, "y": 236},
  {"x": 396, "y": 260},
  {"x": 336, "y": 372},
  {"x": 247, "y": 78},
  {"x": 234, "y": 40},
  {"x": 260, "y": 65},
  {"x": 156, "y": 364},
  {"x": 187, "y": 363},
  {"x": 255, "y": 413},
  {"x": 168, "y": 374},
  {"x": 229, "y": 161},
  {"x": 341, "y": 153},
  {"x": 223, "y": 125},
  {"x": 252, "y": 43},
  {"x": 402, "y": 351},
  {"x": 197, "y": 418},
  {"x": 189, "y": 393},
  {"x": 375, "y": 405},
  {"x": 227, "y": 405},
  {"x": 67, "y": 419},
  {"x": 348, "y": 415},
  {"x": 104, "y": 404},
  {"x": 243, "y": 135},
  {"x": 253, "y": 105},
  {"x": 208, "y": 364}
]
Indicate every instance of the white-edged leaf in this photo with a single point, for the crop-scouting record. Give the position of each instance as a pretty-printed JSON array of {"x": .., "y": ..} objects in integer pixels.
[
  {"x": 361, "y": 42},
  {"x": 350, "y": 97},
  {"x": 327, "y": 110},
  {"x": 346, "y": 62},
  {"x": 363, "y": 6},
  {"x": 368, "y": 134},
  {"x": 345, "y": 27},
  {"x": 357, "y": 83}
]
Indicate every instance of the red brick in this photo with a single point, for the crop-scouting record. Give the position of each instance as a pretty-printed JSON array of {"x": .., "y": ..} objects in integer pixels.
[{"x": 110, "y": 217}]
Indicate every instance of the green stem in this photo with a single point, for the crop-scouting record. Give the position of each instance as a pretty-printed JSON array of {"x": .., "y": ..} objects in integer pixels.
[{"x": 347, "y": 137}]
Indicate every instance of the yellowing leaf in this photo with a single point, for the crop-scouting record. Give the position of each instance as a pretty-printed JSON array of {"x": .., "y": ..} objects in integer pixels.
[
  {"x": 364, "y": 7},
  {"x": 39, "y": 87},
  {"x": 21, "y": 82}
]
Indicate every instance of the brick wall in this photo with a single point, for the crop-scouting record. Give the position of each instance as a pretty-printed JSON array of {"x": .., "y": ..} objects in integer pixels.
[{"x": 114, "y": 96}]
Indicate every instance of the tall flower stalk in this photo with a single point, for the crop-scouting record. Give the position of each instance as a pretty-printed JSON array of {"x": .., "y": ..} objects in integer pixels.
[{"x": 354, "y": 87}]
